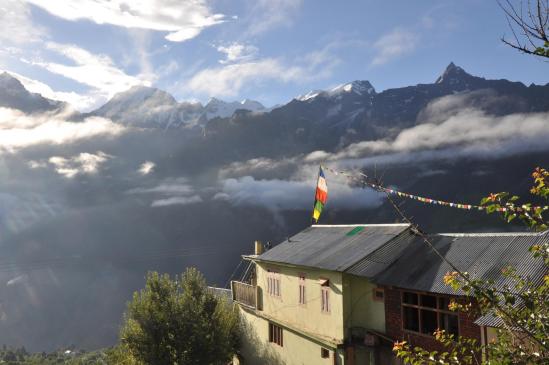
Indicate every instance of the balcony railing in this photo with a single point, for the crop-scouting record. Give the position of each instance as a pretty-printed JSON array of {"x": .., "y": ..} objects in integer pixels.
[{"x": 244, "y": 293}]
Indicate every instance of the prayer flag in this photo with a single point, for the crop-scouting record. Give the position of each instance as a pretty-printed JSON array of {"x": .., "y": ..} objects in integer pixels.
[{"x": 321, "y": 195}]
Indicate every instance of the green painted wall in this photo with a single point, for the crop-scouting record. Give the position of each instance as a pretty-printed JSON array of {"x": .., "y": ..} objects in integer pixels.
[
  {"x": 361, "y": 310},
  {"x": 308, "y": 317},
  {"x": 296, "y": 349}
]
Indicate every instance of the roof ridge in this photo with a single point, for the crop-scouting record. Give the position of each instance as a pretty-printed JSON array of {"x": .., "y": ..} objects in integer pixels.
[
  {"x": 361, "y": 225},
  {"x": 492, "y": 234}
]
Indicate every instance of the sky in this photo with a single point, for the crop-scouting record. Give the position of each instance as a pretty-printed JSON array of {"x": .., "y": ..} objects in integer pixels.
[{"x": 85, "y": 51}]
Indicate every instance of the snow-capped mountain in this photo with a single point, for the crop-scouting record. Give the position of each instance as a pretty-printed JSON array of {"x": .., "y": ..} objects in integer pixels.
[
  {"x": 14, "y": 95},
  {"x": 150, "y": 107},
  {"x": 358, "y": 87},
  {"x": 219, "y": 108}
]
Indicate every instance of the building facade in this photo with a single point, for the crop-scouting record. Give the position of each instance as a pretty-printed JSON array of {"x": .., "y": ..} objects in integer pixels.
[{"x": 343, "y": 294}]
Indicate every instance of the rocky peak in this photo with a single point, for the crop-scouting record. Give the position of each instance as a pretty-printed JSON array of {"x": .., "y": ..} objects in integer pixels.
[
  {"x": 360, "y": 87},
  {"x": 8, "y": 82},
  {"x": 140, "y": 93},
  {"x": 453, "y": 75}
]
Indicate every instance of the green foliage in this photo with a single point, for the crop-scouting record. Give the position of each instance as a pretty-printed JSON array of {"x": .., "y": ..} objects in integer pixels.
[
  {"x": 533, "y": 216},
  {"x": 522, "y": 305},
  {"x": 19, "y": 356},
  {"x": 542, "y": 50},
  {"x": 461, "y": 351},
  {"x": 178, "y": 322}
]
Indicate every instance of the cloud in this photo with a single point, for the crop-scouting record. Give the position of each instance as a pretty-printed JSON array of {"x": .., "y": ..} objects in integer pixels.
[
  {"x": 177, "y": 186},
  {"x": 237, "y": 52},
  {"x": 83, "y": 163},
  {"x": 18, "y": 280},
  {"x": 78, "y": 101},
  {"x": 176, "y": 191},
  {"x": 260, "y": 166},
  {"x": 278, "y": 194},
  {"x": 19, "y": 130},
  {"x": 95, "y": 70},
  {"x": 183, "y": 20},
  {"x": 146, "y": 168},
  {"x": 451, "y": 127},
  {"x": 268, "y": 14},
  {"x": 177, "y": 200},
  {"x": 393, "y": 45},
  {"x": 17, "y": 25},
  {"x": 230, "y": 79},
  {"x": 473, "y": 130}
]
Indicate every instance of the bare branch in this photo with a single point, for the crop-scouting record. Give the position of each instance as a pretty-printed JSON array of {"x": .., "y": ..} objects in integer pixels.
[{"x": 531, "y": 21}]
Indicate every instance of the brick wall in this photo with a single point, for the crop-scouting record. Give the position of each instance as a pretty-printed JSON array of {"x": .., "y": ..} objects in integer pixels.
[{"x": 393, "y": 322}]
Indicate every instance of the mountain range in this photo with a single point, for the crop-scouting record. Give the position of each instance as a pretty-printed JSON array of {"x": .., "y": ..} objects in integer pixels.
[{"x": 90, "y": 201}]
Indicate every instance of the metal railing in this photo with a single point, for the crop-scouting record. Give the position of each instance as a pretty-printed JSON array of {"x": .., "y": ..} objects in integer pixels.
[{"x": 244, "y": 293}]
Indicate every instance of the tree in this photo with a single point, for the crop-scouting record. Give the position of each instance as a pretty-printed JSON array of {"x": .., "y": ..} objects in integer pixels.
[
  {"x": 522, "y": 306},
  {"x": 529, "y": 23},
  {"x": 178, "y": 322}
]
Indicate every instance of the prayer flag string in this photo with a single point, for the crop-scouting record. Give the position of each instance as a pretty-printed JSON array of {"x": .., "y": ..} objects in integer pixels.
[{"x": 364, "y": 179}]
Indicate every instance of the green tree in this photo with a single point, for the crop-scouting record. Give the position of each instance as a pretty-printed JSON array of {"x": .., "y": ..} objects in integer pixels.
[
  {"x": 522, "y": 306},
  {"x": 178, "y": 322}
]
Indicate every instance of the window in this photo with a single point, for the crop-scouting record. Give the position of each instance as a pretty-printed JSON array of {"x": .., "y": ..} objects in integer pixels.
[
  {"x": 425, "y": 313},
  {"x": 276, "y": 334},
  {"x": 324, "y": 353},
  {"x": 325, "y": 296},
  {"x": 302, "y": 289},
  {"x": 378, "y": 294},
  {"x": 273, "y": 283}
]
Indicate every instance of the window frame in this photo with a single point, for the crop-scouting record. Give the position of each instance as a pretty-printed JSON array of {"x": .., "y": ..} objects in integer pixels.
[
  {"x": 276, "y": 334},
  {"x": 375, "y": 297},
  {"x": 325, "y": 305},
  {"x": 302, "y": 290},
  {"x": 419, "y": 307},
  {"x": 273, "y": 283},
  {"x": 324, "y": 353}
]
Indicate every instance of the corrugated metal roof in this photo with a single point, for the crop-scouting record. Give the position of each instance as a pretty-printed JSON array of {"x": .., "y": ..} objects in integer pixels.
[
  {"x": 333, "y": 247},
  {"x": 379, "y": 260},
  {"x": 393, "y": 255},
  {"x": 489, "y": 320},
  {"x": 483, "y": 256}
]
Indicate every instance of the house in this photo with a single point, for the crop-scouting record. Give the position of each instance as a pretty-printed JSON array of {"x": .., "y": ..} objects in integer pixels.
[{"x": 342, "y": 294}]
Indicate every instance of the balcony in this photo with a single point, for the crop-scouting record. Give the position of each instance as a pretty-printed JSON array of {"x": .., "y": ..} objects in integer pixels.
[{"x": 245, "y": 294}]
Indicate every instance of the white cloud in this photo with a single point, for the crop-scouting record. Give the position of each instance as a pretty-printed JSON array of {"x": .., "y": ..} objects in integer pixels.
[
  {"x": 33, "y": 164},
  {"x": 317, "y": 156},
  {"x": 393, "y": 45},
  {"x": 237, "y": 52},
  {"x": 181, "y": 188},
  {"x": 173, "y": 191},
  {"x": 451, "y": 127},
  {"x": 183, "y": 19},
  {"x": 78, "y": 101},
  {"x": 258, "y": 166},
  {"x": 83, "y": 163},
  {"x": 230, "y": 79},
  {"x": 95, "y": 70},
  {"x": 277, "y": 194},
  {"x": 268, "y": 14},
  {"x": 146, "y": 168},
  {"x": 17, "y": 280},
  {"x": 471, "y": 130},
  {"x": 19, "y": 130},
  {"x": 177, "y": 200},
  {"x": 17, "y": 25}
]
